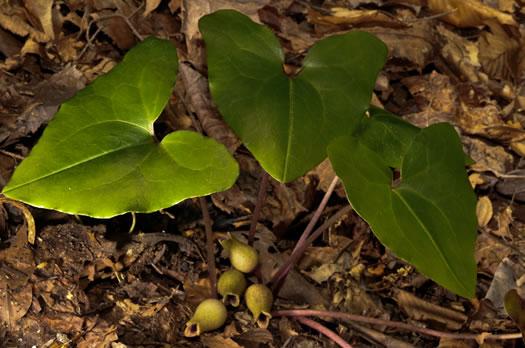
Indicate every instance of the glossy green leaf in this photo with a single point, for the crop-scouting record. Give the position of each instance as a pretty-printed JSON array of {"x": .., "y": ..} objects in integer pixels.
[
  {"x": 99, "y": 157},
  {"x": 287, "y": 122},
  {"x": 429, "y": 218},
  {"x": 387, "y": 135},
  {"x": 515, "y": 307}
]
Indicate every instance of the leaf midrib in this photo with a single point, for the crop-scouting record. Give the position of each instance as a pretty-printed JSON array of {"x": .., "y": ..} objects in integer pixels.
[
  {"x": 427, "y": 232},
  {"x": 145, "y": 142}
]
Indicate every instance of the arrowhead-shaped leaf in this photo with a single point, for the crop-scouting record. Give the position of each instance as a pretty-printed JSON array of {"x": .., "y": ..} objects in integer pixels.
[
  {"x": 287, "y": 122},
  {"x": 98, "y": 156},
  {"x": 429, "y": 219}
]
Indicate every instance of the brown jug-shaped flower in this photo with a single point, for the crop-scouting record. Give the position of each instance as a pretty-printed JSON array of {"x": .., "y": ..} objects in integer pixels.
[
  {"x": 210, "y": 315},
  {"x": 242, "y": 256},
  {"x": 259, "y": 300},
  {"x": 231, "y": 286}
]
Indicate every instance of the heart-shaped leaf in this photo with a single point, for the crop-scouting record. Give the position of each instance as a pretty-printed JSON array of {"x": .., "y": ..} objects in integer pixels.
[
  {"x": 287, "y": 122},
  {"x": 98, "y": 156},
  {"x": 429, "y": 219}
]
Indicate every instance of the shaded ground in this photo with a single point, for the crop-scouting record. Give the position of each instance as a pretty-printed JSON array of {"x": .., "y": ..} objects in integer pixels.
[{"x": 88, "y": 283}]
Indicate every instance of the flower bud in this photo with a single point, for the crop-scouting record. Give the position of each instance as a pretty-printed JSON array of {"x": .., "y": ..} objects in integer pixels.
[
  {"x": 259, "y": 300},
  {"x": 210, "y": 315},
  {"x": 231, "y": 286},
  {"x": 242, "y": 256}
]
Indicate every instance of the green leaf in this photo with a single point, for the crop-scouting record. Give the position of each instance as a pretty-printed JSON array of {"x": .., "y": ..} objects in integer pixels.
[
  {"x": 429, "y": 219},
  {"x": 98, "y": 156},
  {"x": 386, "y": 134},
  {"x": 287, "y": 122},
  {"x": 515, "y": 307}
]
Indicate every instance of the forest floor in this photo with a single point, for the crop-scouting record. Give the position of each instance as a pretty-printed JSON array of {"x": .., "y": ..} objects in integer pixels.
[{"x": 89, "y": 283}]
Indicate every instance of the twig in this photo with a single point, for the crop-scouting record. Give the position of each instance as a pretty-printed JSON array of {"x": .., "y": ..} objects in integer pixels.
[
  {"x": 126, "y": 19},
  {"x": 101, "y": 18},
  {"x": 14, "y": 155},
  {"x": 279, "y": 276},
  {"x": 210, "y": 250},
  {"x": 324, "y": 330},
  {"x": 464, "y": 336},
  {"x": 312, "y": 222},
  {"x": 258, "y": 206}
]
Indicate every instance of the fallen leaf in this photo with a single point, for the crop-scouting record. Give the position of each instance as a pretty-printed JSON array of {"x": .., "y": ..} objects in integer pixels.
[
  {"x": 515, "y": 307},
  {"x": 502, "y": 282},
  {"x": 488, "y": 254},
  {"x": 498, "y": 52},
  {"x": 504, "y": 219},
  {"x": 345, "y": 18},
  {"x": 468, "y": 13},
  {"x": 198, "y": 91},
  {"x": 217, "y": 341},
  {"x": 484, "y": 211},
  {"x": 193, "y": 10},
  {"x": 513, "y": 185},
  {"x": 461, "y": 55},
  {"x": 151, "y": 5},
  {"x": 9, "y": 46},
  {"x": 116, "y": 28},
  {"x": 422, "y": 310},
  {"x": 42, "y": 11},
  {"x": 10, "y": 20},
  {"x": 14, "y": 303}
]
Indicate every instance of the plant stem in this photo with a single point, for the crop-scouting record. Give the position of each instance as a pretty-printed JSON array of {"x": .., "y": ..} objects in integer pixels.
[
  {"x": 313, "y": 221},
  {"x": 441, "y": 334},
  {"x": 324, "y": 330},
  {"x": 279, "y": 276},
  {"x": 258, "y": 206},
  {"x": 210, "y": 250}
]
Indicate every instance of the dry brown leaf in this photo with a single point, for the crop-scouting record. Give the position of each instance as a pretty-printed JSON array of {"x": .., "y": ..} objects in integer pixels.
[
  {"x": 325, "y": 174},
  {"x": 9, "y": 46},
  {"x": 461, "y": 55},
  {"x": 415, "y": 47},
  {"x": 198, "y": 91},
  {"x": 41, "y": 11},
  {"x": 419, "y": 309},
  {"x": 196, "y": 292},
  {"x": 151, "y": 5},
  {"x": 193, "y": 10},
  {"x": 476, "y": 179},
  {"x": 504, "y": 219},
  {"x": 345, "y": 18},
  {"x": 116, "y": 28},
  {"x": 218, "y": 341},
  {"x": 468, "y": 13},
  {"x": 32, "y": 47},
  {"x": 15, "y": 303},
  {"x": 513, "y": 185},
  {"x": 18, "y": 26},
  {"x": 451, "y": 343},
  {"x": 484, "y": 211},
  {"x": 488, "y": 157},
  {"x": 488, "y": 254},
  {"x": 174, "y": 5},
  {"x": 498, "y": 52}
]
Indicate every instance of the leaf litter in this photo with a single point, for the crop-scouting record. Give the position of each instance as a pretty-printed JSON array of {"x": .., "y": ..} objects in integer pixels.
[{"x": 89, "y": 283}]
